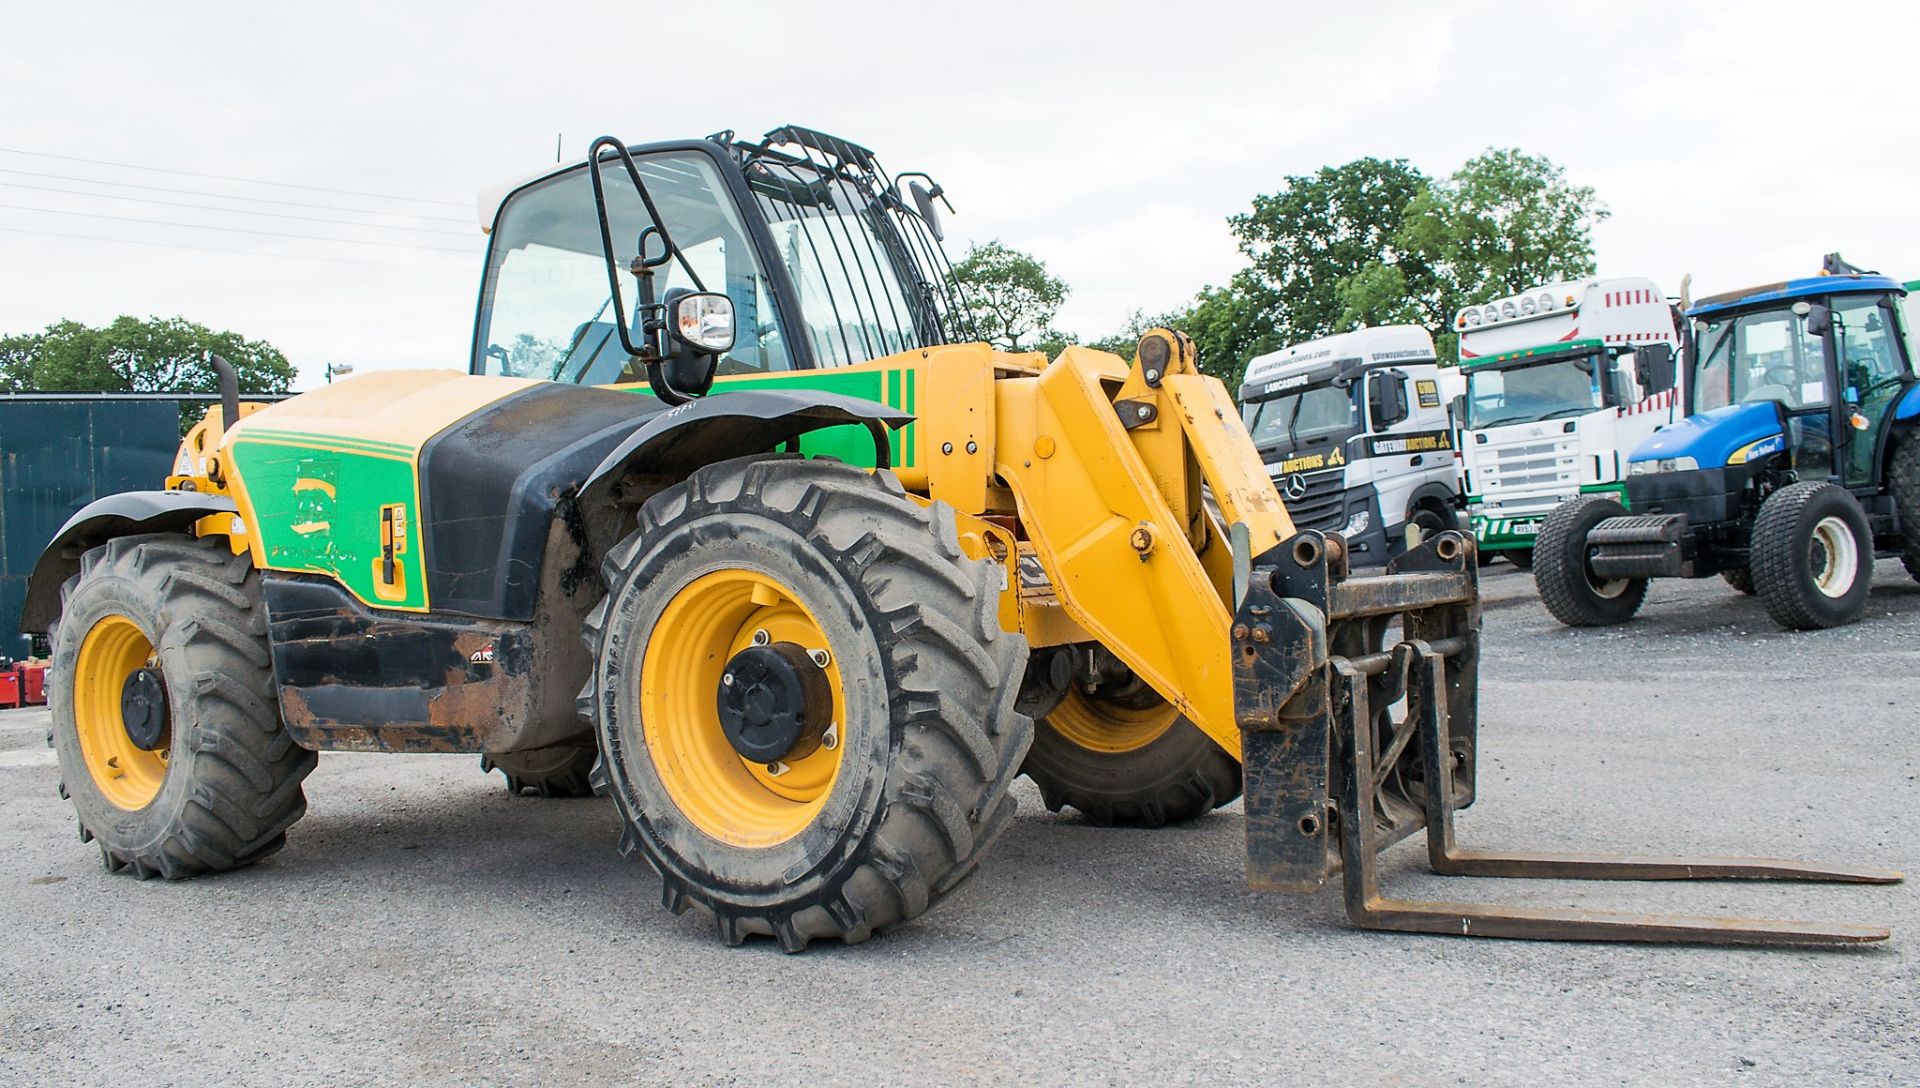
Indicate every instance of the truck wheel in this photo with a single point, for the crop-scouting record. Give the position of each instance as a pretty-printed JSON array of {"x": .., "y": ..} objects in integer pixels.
[
  {"x": 804, "y": 700},
  {"x": 1811, "y": 556},
  {"x": 1522, "y": 557},
  {"x": 1568, "y": 586},
  {"x": 1739, "y": 578},
  {"x": 165, "y": 718},
  {"x": 1137, "y": 763},
  {"x": 1430, "y": 520},
  {"x": 1903, "y": 480},
  {"x": 564, "y": 770}
]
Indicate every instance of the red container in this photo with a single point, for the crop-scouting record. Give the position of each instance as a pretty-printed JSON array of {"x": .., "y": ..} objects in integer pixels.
[
  {"x": 9, "y": 689},
  {"x": 33, "y": 684}
]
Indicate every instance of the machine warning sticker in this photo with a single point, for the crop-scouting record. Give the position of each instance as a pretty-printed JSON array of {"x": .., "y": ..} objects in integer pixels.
[
  {"x": 1428, "y": 391},
  {"x": 1417, "y": 442}
]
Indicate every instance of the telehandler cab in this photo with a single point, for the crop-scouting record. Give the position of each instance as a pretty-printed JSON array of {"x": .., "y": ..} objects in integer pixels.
[{"x": 804, "y": 631}]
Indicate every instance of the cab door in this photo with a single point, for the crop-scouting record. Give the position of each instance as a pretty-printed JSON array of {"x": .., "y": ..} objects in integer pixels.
[{"x": 1870, "y": 355}]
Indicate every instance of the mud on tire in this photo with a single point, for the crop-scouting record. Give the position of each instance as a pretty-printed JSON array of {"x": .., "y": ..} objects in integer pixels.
[
  {"x": 231, "y": 779},
  {"x": 930, "y": 738}
]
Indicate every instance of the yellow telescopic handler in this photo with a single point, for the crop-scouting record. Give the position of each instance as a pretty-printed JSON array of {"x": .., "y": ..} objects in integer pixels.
[{"x": 730, "y": 521}]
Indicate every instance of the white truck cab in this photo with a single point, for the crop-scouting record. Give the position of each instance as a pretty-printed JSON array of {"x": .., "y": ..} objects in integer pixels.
[
  {"x": 1563, "y": 381},
  {"x": 1355, "y": 432}
]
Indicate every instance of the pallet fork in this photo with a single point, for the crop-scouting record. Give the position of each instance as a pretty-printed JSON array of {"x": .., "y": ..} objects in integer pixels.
[{"x": 1335, "y": 774}]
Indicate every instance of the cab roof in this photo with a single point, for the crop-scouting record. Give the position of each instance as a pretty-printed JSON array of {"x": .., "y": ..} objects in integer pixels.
[{"x": 1807, "y": 285}]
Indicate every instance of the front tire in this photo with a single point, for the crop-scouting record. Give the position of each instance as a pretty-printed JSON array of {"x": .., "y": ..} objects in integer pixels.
[
  {"x": 1133, "y": 764},
  {"x": 1811, "y": 556},
  {"x": 1739, "y": 578},
  {"x": 744, "y": 577},
  {"x": 1568, "y": 587},
  {"x": 165, "y": 718}
]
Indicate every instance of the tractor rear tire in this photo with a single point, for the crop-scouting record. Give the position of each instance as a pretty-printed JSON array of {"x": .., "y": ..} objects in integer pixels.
[
  {"x": 1812, "y": 556},
  {"x": 1125, "y": 767},
  {"x": 896, "y": 803},
  {"x": 165, "y": 718},
  {"x": 1903, "y": 480},
  {"x": 1566, "y": 583},
  {"x": 564, "y": 770},
  {"x": 1739, "y": 578}
]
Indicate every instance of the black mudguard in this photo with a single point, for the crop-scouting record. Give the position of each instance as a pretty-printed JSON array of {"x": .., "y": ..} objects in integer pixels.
[{"x": 125, "y": 514}]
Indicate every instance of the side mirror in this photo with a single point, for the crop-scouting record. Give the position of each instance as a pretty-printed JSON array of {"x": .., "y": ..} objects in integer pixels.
[
  {"x": 1656, "y": 368},
  {"x": 1457, "y": 409},
  {"x": 699, "y": 327},
  {"x": 923, "y": 200},
  {"x": 1819, "y": 317},
  {"x": 1387, "y": 398}
]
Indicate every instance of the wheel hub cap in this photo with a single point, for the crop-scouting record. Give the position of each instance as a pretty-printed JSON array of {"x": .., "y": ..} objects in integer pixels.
[
  {"x": 143, "y": 710},
  {"x": 774, "y": 702}
]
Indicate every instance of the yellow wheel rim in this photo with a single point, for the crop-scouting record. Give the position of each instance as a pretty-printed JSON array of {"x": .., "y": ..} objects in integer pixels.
[
  {"x": 1102, "y": 726},
  {"x": 127, "y": 776},
  {"x": 721, "y": 792}
]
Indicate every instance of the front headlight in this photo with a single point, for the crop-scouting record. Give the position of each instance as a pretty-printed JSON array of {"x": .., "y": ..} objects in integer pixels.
[
  {"x": 1664, "y": 464},
  {"x": 1357, "y": 524}
]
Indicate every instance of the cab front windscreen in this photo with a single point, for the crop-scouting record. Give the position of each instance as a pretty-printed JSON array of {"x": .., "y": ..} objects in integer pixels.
[
  {"x": 1298, "y": 419},
  {"x": 1532, "y": 392}
]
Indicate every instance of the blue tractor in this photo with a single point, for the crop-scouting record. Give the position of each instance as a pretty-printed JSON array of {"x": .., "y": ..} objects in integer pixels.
[{"x": 1798, "y": 462}]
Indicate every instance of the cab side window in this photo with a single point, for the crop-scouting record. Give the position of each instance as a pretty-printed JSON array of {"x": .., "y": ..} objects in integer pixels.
[{"x": 1867, "y": 339}]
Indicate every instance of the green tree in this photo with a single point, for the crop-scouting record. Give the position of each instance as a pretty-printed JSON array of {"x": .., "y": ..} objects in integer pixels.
[
  {"x": 1318, "y": 230},
  {"x": 158, "y": 355},
  {"x": 1504, "y": 222},
  {"x": 1010, "y": 296}
]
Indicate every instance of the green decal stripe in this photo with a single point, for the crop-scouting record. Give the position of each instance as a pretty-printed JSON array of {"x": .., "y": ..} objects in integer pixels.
[
  {"x": 328, "y": 441},
  {"x": 342, "y": 532},
  {"x": 1539, "y": 349}
]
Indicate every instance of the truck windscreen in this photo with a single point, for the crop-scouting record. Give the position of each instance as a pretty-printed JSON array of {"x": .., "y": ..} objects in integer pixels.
[
  {"x": 1309, "y": 416},
  {"x": 1529, "y": 393}
]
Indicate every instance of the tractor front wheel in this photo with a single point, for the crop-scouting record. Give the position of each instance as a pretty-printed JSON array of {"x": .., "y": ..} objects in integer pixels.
[
  {"x": 165, "y": 718},
  {"x": 1128, "y": 762},
  {"x": 804, "y": 700},
  {"x": 1568, "y": 587}
]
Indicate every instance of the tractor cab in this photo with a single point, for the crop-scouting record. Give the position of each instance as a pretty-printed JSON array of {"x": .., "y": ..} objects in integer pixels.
[
  {"x": 1820, "y": 364},
  {"x": 821, "y": 258},
  {"x": 1797, "y": 465}
]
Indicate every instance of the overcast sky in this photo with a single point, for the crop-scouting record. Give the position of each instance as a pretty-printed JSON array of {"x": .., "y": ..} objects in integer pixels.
[{"x": 1111, "y": 140}]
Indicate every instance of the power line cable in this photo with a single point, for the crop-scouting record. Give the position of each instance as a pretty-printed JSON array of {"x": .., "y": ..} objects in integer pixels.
[
  {"x": 234, "y": 211},
  {"x": 225, "y": 177},
  {"x": 236, "y": 196},
  {"x": 237, "y": 230},
  {"x": 238, "y": 252}
]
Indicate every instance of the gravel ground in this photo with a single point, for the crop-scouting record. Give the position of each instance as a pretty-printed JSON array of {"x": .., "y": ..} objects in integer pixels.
[{"x": 423, "y": 927}]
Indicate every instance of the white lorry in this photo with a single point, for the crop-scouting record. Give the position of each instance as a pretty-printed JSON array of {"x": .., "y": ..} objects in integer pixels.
[
  {"x": 1355, "y": 431},
  {"x": 1563, "y": 382}
]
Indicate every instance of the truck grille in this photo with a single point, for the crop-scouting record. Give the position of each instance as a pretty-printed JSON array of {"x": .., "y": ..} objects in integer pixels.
[
  {"x": 1320, "y": 507},
  {"x": 1536, "y": 464}
]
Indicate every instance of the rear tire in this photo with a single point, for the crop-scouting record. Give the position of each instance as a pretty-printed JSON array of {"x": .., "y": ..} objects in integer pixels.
[
  {"x": 850, "y": 837},
  {"x": 1522, "y": 557},
  {"x": 1811, "y": 556},
  {"x": 1567, "y": 584},
  {"x": 1122, "y": 769},
  {"x": 1903, "y": 480},
  {"x": 220, "y": 782},
  {"x": 1739, "y": 578},
  {"x": 564, "y": 770}
]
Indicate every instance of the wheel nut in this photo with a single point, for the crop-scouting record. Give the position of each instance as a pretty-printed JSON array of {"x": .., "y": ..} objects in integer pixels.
[
  {"x": 820, "y": 657},
  {"x": 761, "y": 638}
]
